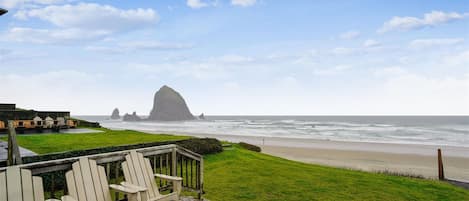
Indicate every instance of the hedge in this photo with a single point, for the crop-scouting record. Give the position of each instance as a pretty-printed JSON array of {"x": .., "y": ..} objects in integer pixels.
[{"x": 250, "y": 147}]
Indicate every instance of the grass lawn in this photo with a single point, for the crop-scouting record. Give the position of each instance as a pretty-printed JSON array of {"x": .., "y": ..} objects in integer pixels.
[
  {"x": 50, "y": 143},
  {"x": 239, "y": 174}
]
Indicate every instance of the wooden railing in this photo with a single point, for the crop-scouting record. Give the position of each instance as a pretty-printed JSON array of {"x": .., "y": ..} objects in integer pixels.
[{"x": 166, "y": 159}]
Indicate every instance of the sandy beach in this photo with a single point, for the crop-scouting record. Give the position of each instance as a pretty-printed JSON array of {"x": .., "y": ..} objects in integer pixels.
[{"x": 368, "y": 156}]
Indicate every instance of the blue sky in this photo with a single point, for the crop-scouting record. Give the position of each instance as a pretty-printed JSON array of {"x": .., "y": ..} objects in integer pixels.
[{"x": 257, "y": 57}]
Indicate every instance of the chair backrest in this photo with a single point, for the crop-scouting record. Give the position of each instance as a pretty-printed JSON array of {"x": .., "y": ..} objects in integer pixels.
[
  {"x": 19, "y": 185},
  {"x": 87, "y": 181},
  {"x": 137, "y": 170}
]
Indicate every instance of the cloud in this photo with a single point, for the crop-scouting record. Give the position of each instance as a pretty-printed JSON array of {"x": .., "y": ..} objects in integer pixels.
[
  {"x": 332, "y": 71},
  {"x": 10, "y": 4},
  {"x": 343, "y": 51},
  {"x": 458, "y": 59},
  {"x": 429, "y": 20},
  {"x": 91, "y": 16},
  {"x": 243, "y": 3},
  {"x": 350, "y": 35},
  {"x": 80, "y": 22},
  {"x": 371, "y": 43},
  {"x": 196, "y": 4},
  {"x": 233, "y": 59},
  {"x": 127, "y": 47},
  {"x": 54, "y": 36},
  {"x": 432, "y": 42}
]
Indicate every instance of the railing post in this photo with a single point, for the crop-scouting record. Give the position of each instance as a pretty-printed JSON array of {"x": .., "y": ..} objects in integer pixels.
[
  {"x": 174, "y": 162},
  {"x": 441, "y": 172},
  {"x": 201, "y": 178},
  {"x": 14, "y": 157}
]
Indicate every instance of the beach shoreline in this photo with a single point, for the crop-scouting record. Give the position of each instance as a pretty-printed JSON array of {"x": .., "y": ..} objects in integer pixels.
[{"x": 410, "y": 159}]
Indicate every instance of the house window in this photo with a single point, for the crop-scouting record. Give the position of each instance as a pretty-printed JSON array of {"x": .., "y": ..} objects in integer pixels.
[
  {"x": 32, "y": 123},
  {"x": 20, "y": 123},
  {"x": 39, "y": 123}
]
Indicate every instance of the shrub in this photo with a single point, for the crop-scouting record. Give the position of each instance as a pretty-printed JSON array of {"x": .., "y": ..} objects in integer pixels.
[
  {"x": 202, "y": 145},
  {"x": 250, "y": 147}
]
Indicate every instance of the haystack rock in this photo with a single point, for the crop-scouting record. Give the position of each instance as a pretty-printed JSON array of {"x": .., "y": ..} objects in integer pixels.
[
  {"x": 168, "y": 105},
  {"x": 115, "y": 114}
]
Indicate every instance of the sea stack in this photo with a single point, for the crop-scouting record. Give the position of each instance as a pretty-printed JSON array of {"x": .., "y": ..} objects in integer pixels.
[
  {"x": 115, "y": 114},
  {"x": 168, "y": 105},
  {"x": 131, "y": 117}
]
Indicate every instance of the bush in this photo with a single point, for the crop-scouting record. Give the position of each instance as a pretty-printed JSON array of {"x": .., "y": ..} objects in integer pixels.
[
  {"x": 250, "y": 147},
  {"x": 202, "y": 145},
  {"x": 197, "y": 145}
]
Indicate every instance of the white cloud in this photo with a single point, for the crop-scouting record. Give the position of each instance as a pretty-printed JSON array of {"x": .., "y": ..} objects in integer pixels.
[
  {"x": 244, "y": 3},
  {"x": 349, "y": 35},
  {"x": 332, "y": 71},
  {"x": 196, "y": 4},
  {"x": 343, "y": 51},
  {"x": 458, "y": 59},
  {"x": 431, "y": 42},
  {"x": 371, "y": 43},
  {"x": 10, "y": 4},
  {"x": 80, "y": 22},
  {"x": 127, "y": 47},
  {"x": 429, "y": 19},
  {"x": 91, "y": 16},
  {"x": 43, "y": 36},
  {"x": 233, "y": 59}
]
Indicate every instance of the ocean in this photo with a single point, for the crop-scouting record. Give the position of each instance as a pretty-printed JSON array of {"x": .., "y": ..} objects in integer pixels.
[{"x": 429, "y": 130}]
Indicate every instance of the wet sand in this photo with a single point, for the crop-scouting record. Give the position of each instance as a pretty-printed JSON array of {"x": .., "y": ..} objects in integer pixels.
[{"x": 368, "y": 156}]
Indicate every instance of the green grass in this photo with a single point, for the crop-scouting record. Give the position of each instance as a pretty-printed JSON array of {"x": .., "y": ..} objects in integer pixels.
[
  {"x": 50, "y": 143},
  {"x": 238, "y": 174}
]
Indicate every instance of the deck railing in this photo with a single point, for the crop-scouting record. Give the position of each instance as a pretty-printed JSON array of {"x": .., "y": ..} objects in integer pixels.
[{"x": 170, "y": 159}]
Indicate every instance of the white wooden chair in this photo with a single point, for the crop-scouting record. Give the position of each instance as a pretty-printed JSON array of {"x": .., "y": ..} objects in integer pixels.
[
  {"x": 87, "y": 182},
  {"x": 19, "y": 185},
  {"x": 138, "y": 173}
]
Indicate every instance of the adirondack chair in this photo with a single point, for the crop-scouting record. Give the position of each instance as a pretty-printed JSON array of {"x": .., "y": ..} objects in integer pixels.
[
  {"x": 19, "y": 185},
  {"x": 138, "y": 173},
  {"x": 87, "y": 182}
]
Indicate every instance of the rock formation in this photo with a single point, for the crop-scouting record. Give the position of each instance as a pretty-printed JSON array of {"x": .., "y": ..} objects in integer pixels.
[
  {"x": 168, "y": 105},
  {"x": 131, "y": 117},
  {"x": 115, "y": 114},
  {"x": 202, "y": 116}
]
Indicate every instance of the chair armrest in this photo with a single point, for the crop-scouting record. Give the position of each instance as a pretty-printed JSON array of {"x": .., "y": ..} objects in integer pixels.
[
  {"x": 67, "y": 198},
  {"x": 167, "y": 177},
  {"x": 129, "y": 185},
  {"x": 123, "y": 189}
]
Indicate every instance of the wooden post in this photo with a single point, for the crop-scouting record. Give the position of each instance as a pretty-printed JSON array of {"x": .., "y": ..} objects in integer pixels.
[
  {"x": 201, "y": 178},
  {"x": 14, "y": 157},
  {"x": 441, "y": 172},
  {"x": 174, "y": 162}
]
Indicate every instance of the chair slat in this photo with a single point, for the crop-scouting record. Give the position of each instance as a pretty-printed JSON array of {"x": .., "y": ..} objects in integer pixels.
[
  {"x": 147, "y": 177},
  {"x": 27, "y": 185},
  {"x": 96, "y": 181},
  {"x": 72, "y": 189},
  {"x": 137, "y": 168},
  {"x": 14, "y": 184},
  {"x": 132, "y": 174},
  {"x": 78, "y": 182},
  {"x": 3, "y": 187},
  {"x": 147, "y": 165},
  {"x": 104, "y": 184},
  {"x": 38, "y": 189},
  {"x": 87, "y": 180}
]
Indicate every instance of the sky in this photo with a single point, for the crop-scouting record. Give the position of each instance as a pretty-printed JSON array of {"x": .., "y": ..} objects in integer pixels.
[{"x": 237, "y": 57}]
